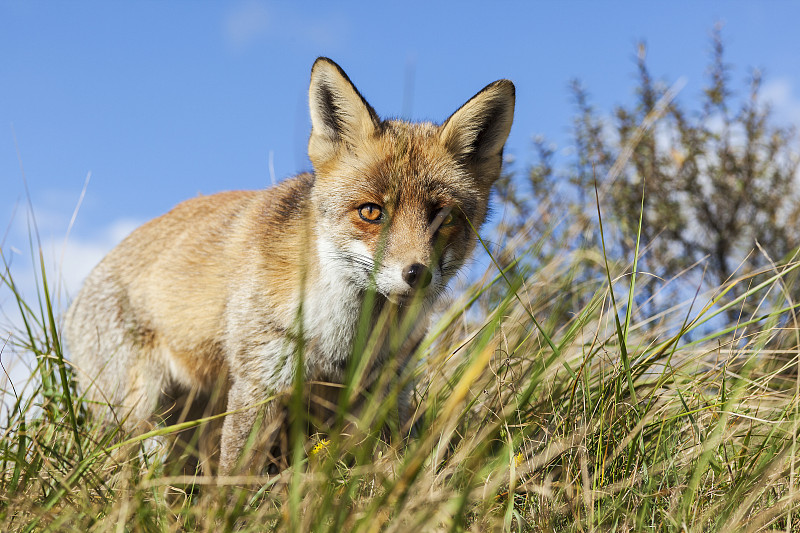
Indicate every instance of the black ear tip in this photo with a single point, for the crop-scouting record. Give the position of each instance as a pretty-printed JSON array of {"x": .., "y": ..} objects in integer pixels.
[
  {"x": 506, "y": 86},
  {"x": 325, "y": 62}
]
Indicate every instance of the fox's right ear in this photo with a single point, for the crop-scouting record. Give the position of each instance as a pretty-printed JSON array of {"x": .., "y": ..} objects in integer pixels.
[
  {"x": 477, "y": 132},
  {"x": 340, "y": 116}
]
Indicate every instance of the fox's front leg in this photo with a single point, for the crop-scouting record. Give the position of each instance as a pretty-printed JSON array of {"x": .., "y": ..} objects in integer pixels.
[{"x": 245, "y": 433}]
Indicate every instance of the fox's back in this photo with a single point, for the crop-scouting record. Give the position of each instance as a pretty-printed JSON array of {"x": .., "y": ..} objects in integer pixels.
[{"x": 166, "y": 285}]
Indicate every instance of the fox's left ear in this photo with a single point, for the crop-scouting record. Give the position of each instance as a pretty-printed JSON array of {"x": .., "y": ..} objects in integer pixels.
[
  {"x": 477, "y": 132},
  {"x": 340, "y": 116}
]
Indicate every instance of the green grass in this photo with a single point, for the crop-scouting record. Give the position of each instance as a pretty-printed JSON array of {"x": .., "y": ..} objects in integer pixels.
[
  {"x": 548, "y": 400},
  {"x": 536, "y": 416}
]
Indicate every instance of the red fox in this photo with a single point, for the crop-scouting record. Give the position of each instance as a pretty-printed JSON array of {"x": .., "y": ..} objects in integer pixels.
[{"x": 211, "y": 293}]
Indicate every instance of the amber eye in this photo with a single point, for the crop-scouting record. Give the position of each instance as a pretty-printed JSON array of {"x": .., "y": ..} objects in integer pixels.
[
  {"x": 448, "y": 220},
  {"x": 371, "y": 213},
  {"x": 446, "y": 216}
]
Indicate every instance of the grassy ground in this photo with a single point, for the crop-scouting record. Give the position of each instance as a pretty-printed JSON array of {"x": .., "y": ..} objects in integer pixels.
[{"x": 545, "y": 406}]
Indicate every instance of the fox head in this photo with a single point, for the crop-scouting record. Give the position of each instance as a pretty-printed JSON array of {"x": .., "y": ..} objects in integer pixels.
[{"x": 395, "y": 203}]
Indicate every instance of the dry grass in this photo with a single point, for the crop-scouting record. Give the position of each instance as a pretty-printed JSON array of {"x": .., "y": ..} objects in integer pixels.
[{"x": 535, "y": 416}]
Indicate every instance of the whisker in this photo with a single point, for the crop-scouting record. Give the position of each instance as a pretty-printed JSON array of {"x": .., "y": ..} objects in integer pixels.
[{"x": 353, "y": 259}]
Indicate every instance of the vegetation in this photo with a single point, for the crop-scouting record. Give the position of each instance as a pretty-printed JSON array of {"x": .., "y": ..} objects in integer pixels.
[
  {"x": 720, "y": 182},
  {"x": 591, "y": 379}
]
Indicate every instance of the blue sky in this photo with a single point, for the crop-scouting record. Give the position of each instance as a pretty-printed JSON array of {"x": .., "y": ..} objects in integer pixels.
[{"x": 160, "y": 101}]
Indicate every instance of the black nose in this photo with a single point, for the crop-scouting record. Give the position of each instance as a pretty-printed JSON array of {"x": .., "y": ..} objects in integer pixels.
[{"x": 417, "y": 275}]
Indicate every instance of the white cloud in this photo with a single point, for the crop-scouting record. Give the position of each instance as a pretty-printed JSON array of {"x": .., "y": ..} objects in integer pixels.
[
  {"x": 780, "y": 94},
  {"x": 66, "y": 263},
  {"x": 245, "y": 24},
  {"x": 248, "y": 22}
]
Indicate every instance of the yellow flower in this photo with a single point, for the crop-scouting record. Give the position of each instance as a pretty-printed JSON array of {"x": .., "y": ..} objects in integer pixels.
[
  {"x": 321, "y": 445},
  {"x": 519, "y": 459}
]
